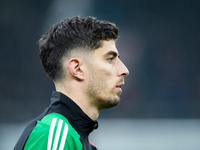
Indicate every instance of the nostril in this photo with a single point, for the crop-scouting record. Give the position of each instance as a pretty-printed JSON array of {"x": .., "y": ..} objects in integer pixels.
[
  {"x": 123, "y": 70},
  {"x": 124, "y": 74}
]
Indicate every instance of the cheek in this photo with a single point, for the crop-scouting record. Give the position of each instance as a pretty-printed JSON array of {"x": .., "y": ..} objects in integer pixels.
[
  {"x": 104, "y": 72},
  {"x": 101, "y": 80},
  {"x": 106, "y": 79}
]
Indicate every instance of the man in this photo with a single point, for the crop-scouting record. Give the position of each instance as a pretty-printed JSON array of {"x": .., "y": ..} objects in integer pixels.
[{"x": 80, "y": 56}]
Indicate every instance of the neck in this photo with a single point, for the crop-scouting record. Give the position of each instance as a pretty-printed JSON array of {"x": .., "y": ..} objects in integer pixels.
[{"x": 75, "y": 93}]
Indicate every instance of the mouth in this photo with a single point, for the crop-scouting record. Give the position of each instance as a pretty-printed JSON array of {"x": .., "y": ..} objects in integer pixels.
[{"x": 119, "y": 87}]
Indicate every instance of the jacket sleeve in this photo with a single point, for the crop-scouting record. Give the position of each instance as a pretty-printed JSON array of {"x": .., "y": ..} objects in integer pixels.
[{"x": 57, "y": 136}]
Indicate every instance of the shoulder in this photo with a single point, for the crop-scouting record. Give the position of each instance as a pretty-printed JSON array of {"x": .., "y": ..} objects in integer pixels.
[{"x": 54, "y": 132}]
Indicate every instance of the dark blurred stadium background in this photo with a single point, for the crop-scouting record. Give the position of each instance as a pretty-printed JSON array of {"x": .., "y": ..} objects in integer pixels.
[{"x": 159, "y": 42}]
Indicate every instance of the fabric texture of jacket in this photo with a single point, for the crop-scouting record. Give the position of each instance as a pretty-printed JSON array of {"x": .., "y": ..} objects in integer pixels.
[{"x": 63, "y": 125}]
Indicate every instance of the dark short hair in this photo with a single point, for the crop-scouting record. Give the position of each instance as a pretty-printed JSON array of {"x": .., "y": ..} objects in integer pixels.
[{"x": 71, "y": 33}]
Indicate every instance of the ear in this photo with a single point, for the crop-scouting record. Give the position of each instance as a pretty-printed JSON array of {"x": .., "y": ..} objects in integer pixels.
[{"x": 75, "y": 68}]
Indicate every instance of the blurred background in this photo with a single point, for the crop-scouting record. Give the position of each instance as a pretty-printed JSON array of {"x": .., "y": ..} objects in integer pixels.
[{"x": 159, "y": 43}]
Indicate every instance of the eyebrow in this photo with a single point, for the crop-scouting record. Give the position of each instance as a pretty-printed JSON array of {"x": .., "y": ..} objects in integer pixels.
[{"x": 113, "y": 53}]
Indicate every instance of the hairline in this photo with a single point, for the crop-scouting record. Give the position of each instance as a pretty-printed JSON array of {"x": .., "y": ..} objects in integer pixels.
[{"x": 78, "y": 52}]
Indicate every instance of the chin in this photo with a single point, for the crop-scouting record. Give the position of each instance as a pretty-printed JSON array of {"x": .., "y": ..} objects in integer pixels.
[{"x": 111, "y": 102}]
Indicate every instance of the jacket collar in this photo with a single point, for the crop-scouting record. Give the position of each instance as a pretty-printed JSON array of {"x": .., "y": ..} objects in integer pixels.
[{"x": 83, "y": 124}]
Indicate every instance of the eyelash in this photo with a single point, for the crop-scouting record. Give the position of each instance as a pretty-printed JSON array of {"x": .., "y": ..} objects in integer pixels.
[{"x": 110, "y": 59}]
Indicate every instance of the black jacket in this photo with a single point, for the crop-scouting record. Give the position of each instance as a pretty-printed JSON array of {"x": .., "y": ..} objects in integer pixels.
[{"x": 77, "y": 118}]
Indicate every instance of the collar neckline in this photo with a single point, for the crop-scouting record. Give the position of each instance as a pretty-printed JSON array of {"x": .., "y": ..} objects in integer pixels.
[{"x": 77, "y": 118}]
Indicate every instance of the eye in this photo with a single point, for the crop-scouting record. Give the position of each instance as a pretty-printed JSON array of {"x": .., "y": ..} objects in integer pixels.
[{"x": 110, "y": 59}]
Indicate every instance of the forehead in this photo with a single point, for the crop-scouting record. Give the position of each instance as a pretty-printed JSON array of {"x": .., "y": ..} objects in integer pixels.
[{"x": 106, "y": 48}]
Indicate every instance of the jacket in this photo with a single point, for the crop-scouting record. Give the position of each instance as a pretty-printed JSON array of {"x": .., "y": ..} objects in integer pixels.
[{"x": 63, "y": 125}]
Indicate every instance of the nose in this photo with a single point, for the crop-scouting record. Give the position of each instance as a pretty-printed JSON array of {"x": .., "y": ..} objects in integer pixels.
[{"x": 123, "y": 70}]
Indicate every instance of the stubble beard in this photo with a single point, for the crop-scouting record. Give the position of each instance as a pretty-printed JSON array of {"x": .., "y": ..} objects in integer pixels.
[{"x": 99, "y": 97}]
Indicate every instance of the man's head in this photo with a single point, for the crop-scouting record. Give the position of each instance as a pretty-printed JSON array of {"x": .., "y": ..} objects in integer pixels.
[
  {"x": 81, "y": 34},
  {"x": 80, "y": 55}
]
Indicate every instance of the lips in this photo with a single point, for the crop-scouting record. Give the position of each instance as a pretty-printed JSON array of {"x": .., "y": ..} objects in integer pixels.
[{"x": 119, "y": 87}]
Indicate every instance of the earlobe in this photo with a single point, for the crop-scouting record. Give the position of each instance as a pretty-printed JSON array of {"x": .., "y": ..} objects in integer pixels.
[{"x": 75, "y": 69}]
